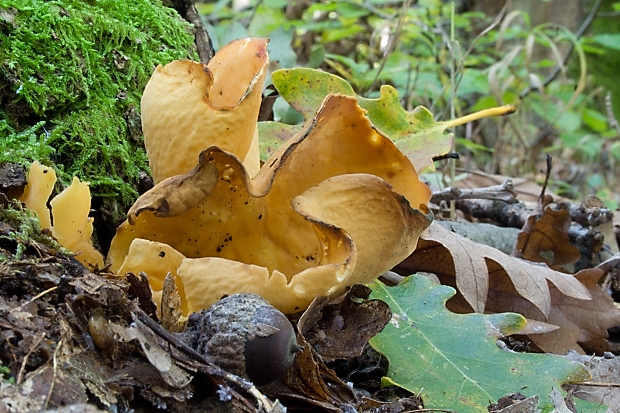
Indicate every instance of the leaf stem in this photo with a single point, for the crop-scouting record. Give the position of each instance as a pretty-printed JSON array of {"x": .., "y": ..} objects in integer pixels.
[{"x": 497, "y": 111}]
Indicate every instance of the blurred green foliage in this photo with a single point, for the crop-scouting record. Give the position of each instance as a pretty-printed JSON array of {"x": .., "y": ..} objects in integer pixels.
[{"x": 454, "y": 63}]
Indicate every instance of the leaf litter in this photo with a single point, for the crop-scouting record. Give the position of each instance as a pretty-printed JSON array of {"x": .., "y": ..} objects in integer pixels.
[{"x": 74, "y": 338}]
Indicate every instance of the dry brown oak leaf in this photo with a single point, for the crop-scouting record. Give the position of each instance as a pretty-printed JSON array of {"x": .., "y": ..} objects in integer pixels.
[
  {"x": 488, "y": 280},
  {"x": 546, "y": 233}
]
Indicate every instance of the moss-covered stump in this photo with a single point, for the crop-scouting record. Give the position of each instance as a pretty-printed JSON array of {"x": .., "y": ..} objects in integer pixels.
[{"x": 71, "y": 78}]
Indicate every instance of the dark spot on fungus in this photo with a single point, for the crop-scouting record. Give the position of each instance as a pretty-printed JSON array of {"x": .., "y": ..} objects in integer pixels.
[
  {"x": 162, "y": 254},
  {"x": 260, "y": 216}
]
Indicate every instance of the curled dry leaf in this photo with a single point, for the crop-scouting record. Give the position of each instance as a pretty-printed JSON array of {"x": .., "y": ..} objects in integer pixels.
[
  {"x": 546, "y": 233},
  {"x": 188, "y": 106},
  {"x": 342, "y": 330},
  {"x": 337, "y": 205},
  {"x": 488, "y": 280}
]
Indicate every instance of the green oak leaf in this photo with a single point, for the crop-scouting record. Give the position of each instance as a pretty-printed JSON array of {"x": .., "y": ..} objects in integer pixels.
[
  {"x": 452, "y": 359},
  {"x": 415, "y": 133}
]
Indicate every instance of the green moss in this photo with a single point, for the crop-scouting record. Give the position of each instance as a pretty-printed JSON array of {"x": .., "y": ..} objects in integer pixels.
[
  {"x": 71, "y": 78},
  {"x": 21, "y": 227}
]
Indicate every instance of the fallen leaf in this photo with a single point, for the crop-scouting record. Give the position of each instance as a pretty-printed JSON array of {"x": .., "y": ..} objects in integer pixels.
[
  {"x": 416, "y": 133},
  {"x": 452, "y": 360},
  {"x": 559, "y": 405},
  {"x": 581, "y": 321},
  {"x": 171, "y": 306},
  {"x": 605, "y": 384},
  {"x": 309, "y": 383},
  {"x": 515, "y": 403},
  {"x": 159, "y": 356},
  {"x": 476, "y": 269},
  {"x": 544, "y": 237},
  {"x": 140, "y": 290},
  {"x": 488, "y": 280},
  {"x": 273, "y": 135},
  {"x": 344, "y": 328}
]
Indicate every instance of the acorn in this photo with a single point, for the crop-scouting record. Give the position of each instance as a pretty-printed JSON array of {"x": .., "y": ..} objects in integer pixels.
[{"x": 244, "y": 335}]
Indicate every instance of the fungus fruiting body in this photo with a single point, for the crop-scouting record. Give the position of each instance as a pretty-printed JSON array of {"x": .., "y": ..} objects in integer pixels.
[
  {"x": 71, "y": 225},
  {"x": 188, "y": 106},
  {"x": 337, "y": 204}
]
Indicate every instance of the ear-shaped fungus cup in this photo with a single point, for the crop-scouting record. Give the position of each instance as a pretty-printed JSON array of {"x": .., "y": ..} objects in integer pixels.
[
  {"x": 189, "y": 106},
  {"x": 337, "y": 204},
  {"x": 71, "y": 225}
]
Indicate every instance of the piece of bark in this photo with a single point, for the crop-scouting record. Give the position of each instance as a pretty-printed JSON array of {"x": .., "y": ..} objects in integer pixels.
[
  {"x": 590, "y": 215},
  {"x": 187, "y": 10},
  {"x": 504, "y": 192},
  {"x": 589, "y": 239},
  {"x": 515, "y": 214},
  {"x": 504, "y": 214}
]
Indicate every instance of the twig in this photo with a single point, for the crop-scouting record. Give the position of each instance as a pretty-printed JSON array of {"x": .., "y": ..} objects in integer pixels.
[
  {"x": 392, "y": 43},
  {"x": 370, "y": 8},
  {"x": 597, "y": 384},
  {"x": 55, "y": 370},
  {"x": 541, "y": 197},
  {"x": 558, "y": 68},
  {"x": 495, "y": 22},
  {"x": 33, "y": 347},
  {"x": 254, "y": 9},
  {"x": 608, "y": 14},
  {"x": 36, "y": 297},
  {"x": 613, "y": 122},
  {"x": 504, "y": 192},
  {"x": 209, "y": 368},
  {"x": 392, "y": 277},
  {"x": 170, "y": 338},
  {"x": 449, "y": 155}
]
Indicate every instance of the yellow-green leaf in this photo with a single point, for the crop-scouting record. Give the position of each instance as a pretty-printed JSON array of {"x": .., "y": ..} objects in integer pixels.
[{"x": 415, "y": 133}]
